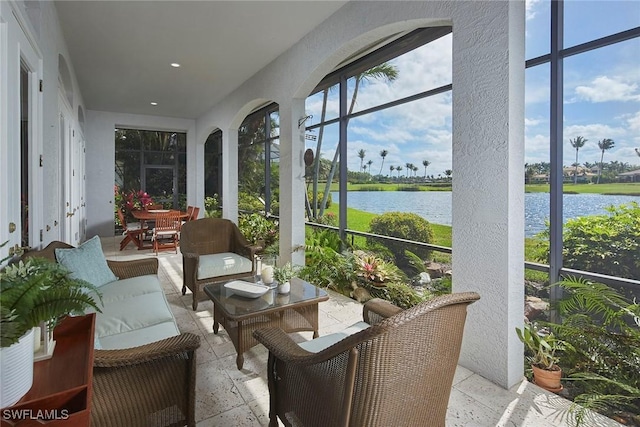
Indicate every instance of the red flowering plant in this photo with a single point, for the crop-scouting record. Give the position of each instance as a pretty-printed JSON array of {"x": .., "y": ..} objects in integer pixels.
[
  {"x": 130, "y": 201},
  {"x": 372, "y": 269}
]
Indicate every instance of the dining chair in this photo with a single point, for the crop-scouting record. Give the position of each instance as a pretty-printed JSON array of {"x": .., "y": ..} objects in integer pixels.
[
  {"x": 132, "y": 232},
  {"x": 166, "y": 232}
]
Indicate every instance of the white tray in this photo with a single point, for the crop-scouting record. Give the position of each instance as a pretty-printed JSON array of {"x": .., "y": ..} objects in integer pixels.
[
  {"x": 246, "y": 289},
  {"x": 159, "y": 210}
]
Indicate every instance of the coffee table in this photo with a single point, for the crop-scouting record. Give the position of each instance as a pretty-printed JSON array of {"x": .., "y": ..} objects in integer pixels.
[{"x": 240, "y": 316}]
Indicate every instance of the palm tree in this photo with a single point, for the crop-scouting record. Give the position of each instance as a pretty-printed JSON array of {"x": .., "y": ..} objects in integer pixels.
[
  {"x": 398, "y": 168},
  {"x": 384, "y": 71},
  {"x": 425, "y": 163},
  {"x": 577, "y": 143},
  {"x": 383, "y": 154},
  {"x": 369, "y": 163},
  {"x": 604, "y": 145},
  {"x": 361, "y": 154},
  {"x": 415, "y": 170},
  {"x": 638, "y": 151},
  {"x": 409, "y": 167},
  {"x": 448, "y": 173},
  {"x": 391, "y": 169}
]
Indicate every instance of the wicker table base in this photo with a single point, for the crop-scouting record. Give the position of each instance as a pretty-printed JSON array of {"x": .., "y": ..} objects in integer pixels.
[{"x": 240, "y": 316}]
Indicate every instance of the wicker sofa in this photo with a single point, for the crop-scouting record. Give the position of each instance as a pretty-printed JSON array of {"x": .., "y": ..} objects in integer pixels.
[{"x": 144, "y": 368}]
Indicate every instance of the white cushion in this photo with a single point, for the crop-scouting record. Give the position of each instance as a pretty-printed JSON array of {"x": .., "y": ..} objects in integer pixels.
[
  {"x": 224, "y": 264},
  {"x": 135, "y": 313},
  {"x": 128, "y": 288},
  {"x": 320, "y": 343},
  {"x": 141, "y": 336}
]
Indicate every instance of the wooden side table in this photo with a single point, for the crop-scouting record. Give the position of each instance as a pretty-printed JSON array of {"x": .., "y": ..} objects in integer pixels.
[{"x": 62, "y": 386}]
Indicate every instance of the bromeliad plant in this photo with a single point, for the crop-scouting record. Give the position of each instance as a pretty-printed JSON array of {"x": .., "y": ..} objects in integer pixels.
[{"x": 38, "y": 290}]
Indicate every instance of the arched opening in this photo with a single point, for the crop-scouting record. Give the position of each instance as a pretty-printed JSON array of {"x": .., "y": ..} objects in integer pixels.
[{"x": 65, "y": 78}]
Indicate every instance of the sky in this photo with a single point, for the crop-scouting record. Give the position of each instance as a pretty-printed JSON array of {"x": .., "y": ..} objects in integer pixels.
[{"x": 601, "y": 97}]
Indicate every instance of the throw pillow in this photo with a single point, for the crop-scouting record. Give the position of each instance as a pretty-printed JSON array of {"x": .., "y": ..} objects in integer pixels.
[{"x": 87, "y": 262}]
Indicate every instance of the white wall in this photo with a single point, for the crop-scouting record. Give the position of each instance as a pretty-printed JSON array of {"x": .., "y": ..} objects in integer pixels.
[
  {"x": 32, "y": 26},
  {"x": 100, "y": 127}
]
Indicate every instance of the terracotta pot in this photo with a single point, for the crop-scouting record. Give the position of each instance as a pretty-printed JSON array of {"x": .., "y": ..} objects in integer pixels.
[{"x": 548, "y": 380}]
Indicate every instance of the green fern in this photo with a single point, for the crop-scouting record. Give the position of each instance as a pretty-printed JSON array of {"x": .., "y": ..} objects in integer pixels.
[
  {"x": 603, "y": 362},
  {"x": 36, "y": 291}
]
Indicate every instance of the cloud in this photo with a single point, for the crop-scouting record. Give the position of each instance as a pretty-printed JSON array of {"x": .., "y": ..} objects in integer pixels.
[
  {"x": 603, "y": 89},
  {"x": 634, "y": 122},
  {"x": 593, "y": 132},
  {"x": 531, "y": 8}
]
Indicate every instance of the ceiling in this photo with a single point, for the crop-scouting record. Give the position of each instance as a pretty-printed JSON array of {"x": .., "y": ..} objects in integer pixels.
[{"x": 121, "y": 51}]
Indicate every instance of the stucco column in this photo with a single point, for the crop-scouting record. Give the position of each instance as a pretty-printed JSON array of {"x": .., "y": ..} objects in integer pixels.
[
  {"x": 292, "y": 186},
  {"x": 488, "y": 184},
  {"x": 195, "y": 171},
  {"x": 230, "y": 173}
]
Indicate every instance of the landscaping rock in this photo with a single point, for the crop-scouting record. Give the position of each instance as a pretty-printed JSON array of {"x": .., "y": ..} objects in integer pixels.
[{"x": 534, "y": 307}]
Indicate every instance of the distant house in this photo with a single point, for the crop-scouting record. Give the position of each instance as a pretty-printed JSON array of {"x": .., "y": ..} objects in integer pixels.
[{"x": 631, "y": 176}]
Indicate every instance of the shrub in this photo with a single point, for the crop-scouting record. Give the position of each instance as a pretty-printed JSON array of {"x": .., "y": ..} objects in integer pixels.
[
  {"x": 256, "y": 227},
  {"x": 398, "y": 293},
  {"x": 408, "y": 226},
  {"x": 607, "y": 244},
  {"x": 320, "y": 196},
  {"x": 212, "y": 207}
]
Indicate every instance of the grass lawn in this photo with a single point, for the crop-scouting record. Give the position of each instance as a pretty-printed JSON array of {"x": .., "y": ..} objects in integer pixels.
[{"x": 618, "y": 188}]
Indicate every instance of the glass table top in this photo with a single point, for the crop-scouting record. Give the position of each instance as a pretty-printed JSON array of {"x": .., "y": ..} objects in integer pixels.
[{"x": 235, "y": 306}]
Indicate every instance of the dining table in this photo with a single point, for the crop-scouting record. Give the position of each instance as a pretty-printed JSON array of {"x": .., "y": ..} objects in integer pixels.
[{"x": 144, "y": 215}]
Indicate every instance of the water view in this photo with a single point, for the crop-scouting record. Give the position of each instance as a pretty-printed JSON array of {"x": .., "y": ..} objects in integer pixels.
[{"x": 435, "y": 206}]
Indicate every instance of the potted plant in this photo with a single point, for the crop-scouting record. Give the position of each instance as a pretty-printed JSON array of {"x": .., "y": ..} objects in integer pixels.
[
  {"x": 541, "y": 347},
  {"x": 283, "y": 275},
  {"x": 32, "y": 292}
]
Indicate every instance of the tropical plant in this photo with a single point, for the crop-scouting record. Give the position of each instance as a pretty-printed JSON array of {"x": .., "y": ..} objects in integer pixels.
[
  {"x": 372, "y": 270},
  {"x": 256, "y": 227},
  {"x": 325, "y": 266},
  {"x": 391, "y": 169},
  {"x": 369, "y": 163},
  {"x": 212, "y": 207},
  {"x": 604, "y": 145},
  {"x": 38, "y": 290},
  {"x": 425, "y": 163},
  {"x": 603, "y": 361},
  {"x": 399, "y": 294},
  {"x": 361, "y": 154},
  {"x": 577, "y": 143},
  {"x": 541, "y": 346},
  {"x": 383, "y": 154}
]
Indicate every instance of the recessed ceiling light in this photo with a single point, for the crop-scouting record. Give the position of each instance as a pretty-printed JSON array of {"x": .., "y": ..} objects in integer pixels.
[
  {"x": 175, "y": 65},
  {"x": 154, "y": 103}
]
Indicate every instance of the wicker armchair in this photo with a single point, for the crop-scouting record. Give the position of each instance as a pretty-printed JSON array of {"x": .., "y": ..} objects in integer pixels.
[
  {"x": 209, "y": 236},
  {"x": 146, "y": 386},
  {"x": 396, "y": 372}
]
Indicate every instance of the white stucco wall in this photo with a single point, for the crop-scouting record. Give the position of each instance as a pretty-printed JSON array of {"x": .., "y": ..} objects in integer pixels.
[
  {"x": 35, "y": 26},
  {"x": 100, "y": 136},
  {"x": 488, "y": 146}
]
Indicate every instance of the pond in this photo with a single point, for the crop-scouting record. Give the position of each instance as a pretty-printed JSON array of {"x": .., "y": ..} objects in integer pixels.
[{"x": 435, "y": 206}]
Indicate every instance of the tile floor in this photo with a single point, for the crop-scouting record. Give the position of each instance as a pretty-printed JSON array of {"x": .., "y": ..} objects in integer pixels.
[{"x": 226, "y": 396}]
